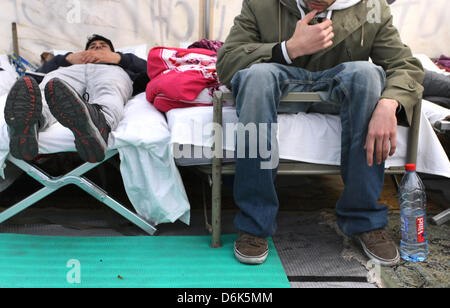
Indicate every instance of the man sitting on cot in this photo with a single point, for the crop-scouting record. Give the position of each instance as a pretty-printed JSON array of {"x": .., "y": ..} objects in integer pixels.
[
  {"x": 281, "y": 46},
  {"x": 84, "y": 91}
]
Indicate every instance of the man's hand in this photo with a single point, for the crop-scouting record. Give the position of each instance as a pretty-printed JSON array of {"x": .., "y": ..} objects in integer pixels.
[
  {"x": 101, "y": 56},
  {"x": 308, "y": 40},
  {"x": 76, "y": 58},
  {"x": 93, "y": 56},
  {"x": 382, "y": 136}
]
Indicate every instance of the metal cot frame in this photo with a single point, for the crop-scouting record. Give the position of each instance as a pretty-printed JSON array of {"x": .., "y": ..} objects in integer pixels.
[
  {"x": 218, "y": 169},
  {"x": 75, "y": 177}
]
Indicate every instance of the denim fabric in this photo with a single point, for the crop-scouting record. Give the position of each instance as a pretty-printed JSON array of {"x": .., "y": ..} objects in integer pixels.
[{"x": 351, "y": 90}]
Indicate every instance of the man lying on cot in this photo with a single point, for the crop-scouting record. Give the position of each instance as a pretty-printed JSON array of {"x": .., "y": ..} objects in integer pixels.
[
  {"x": 84, "y": 91},
  {"x": 282, "y": 46}
]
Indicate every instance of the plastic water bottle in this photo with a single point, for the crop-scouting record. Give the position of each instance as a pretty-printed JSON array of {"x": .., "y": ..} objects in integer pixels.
[{"x": 414, "y": 243}]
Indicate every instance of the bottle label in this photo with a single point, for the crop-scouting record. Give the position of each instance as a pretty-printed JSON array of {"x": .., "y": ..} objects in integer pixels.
[
  {"x": 421, "y": 229},
  {"x": 404, "y": 222}
]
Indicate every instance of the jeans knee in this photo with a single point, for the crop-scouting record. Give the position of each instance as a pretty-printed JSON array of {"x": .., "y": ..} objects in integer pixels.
[
  {"x": 256, "y": 89},
  {"x": 258, "y": 76},
  {"x": 369, "y": 74}
]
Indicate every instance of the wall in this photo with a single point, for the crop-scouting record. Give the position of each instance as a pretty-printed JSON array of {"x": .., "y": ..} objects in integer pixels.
[
  {"x": 424, "y": 25},
  {"x": 60, "y": 24},
  {"x": 65, "y": 24}
]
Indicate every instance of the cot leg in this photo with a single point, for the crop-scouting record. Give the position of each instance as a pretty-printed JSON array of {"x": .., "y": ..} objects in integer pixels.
[
  {"x": 75, "y": 178},
  {"x": 216, "y": 205},
  {"x": 413, "y": 138},
  {"x": 130, "y": 216},
  {"x": 102, "y": 196},
  {"x": 441, "y": 218},
  {"x": 205, "y": 206},
  {"x": 395, "y": 181},
  {"x": 26, "y": 203},
  {"x": 217, "y": 173}
]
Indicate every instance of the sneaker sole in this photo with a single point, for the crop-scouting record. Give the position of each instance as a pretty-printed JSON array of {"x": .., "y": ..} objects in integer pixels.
[
  {"x": 381, "y": 261},
  {"x": 254, "y": 260},
  {"x": 23, "y": 110},
  {"x": 71, "y": 112}
]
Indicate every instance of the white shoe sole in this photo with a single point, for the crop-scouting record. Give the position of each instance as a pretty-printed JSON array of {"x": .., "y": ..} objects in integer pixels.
[
  {"x": 381, "y": 261},
  {"x": 254, "y": 260}
]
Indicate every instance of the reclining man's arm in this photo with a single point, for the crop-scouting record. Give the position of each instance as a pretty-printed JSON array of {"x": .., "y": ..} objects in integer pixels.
[{"x": 55, "y": 63}]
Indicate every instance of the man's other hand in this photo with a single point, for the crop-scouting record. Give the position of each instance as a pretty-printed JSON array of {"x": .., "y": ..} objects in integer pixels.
[
  {"x": 93, "y": 56},
  {"x": 308, "y": 40},
  {"x": 101, "y": 56},
  {"x": 382, "y": 136},
  {"x": 75, "y": 58}
]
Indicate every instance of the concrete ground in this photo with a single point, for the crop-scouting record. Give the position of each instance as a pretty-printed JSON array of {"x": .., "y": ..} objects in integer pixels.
[{"x": 313, "y": 251}]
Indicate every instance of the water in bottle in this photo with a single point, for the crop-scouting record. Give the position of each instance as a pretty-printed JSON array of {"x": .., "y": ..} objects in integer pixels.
[{"x": 414, "y": 243}]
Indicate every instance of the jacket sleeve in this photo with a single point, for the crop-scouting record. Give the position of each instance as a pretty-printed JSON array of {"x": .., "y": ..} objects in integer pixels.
[
  {"x": 243, "y": 47},
  {"x": 404, "y": 72},
  {"x": 132, "y": 63},
  {"x": 55, "y": 63}
]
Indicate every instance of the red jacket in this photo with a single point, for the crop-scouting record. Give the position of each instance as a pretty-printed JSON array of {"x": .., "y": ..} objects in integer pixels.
[{"x": 181, "y": 77}]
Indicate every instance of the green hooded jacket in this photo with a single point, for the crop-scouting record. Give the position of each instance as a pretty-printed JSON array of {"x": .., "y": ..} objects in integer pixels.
[{"x": 359, "y": 35}]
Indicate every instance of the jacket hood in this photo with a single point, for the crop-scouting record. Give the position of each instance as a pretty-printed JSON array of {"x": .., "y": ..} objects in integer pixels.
[{"x": 336, "y": 6}]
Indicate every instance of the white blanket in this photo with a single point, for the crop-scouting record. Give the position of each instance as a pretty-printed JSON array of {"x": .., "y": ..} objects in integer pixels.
[{"x": 150, "y": 177}]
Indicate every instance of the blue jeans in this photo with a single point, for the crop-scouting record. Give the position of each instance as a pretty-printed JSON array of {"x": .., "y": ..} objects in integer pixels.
[{"x": 351, "y": 90}]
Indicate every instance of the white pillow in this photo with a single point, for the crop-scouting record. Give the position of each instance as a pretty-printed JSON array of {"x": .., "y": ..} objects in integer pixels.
[
  {"x": 8, "y": 76},
  {"x": 4, "y": 64},
  {"x": 138, "y": 50}
]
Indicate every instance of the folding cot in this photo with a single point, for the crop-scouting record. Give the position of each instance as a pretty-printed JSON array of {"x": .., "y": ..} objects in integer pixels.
[
  {"x": 75, "y": 177},
  {"x": 151, "y": 179}
]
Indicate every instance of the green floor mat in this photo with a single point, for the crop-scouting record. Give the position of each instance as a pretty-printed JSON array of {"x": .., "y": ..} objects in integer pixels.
[{"x": 131, "y": 262}]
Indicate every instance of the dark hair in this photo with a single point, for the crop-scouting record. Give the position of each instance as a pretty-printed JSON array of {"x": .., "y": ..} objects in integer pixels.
[{"x": 96, "y": 37}]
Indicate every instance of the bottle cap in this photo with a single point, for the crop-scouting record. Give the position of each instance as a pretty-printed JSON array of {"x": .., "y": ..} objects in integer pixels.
[{"x": 410, "y": 167}]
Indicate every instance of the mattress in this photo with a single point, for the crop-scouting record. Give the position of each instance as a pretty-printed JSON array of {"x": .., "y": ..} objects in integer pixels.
[{"x": 310, "y": 138}]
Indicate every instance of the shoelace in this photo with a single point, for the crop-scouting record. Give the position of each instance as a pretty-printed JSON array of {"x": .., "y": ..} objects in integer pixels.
[
  {"x": 252, "y": 240},
  {"x": 378, "y": 236}
]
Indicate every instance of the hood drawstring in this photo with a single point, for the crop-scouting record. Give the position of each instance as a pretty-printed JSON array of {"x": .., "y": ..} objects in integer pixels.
[{"x": 362, "y": 35}]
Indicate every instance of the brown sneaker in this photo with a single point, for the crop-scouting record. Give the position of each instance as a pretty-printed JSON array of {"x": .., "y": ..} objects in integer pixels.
[
  {"x": 378, "y": 246},
  {"x": 250, "y": 249}
]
